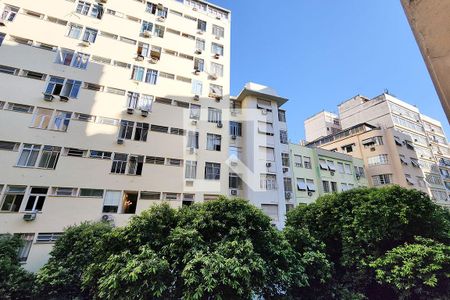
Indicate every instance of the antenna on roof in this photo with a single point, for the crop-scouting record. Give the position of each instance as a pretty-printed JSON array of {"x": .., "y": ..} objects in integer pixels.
[{"x": 386, "y": 91}]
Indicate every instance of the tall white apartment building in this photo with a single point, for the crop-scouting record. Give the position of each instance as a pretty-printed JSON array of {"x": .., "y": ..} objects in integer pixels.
[{"x": 106, "y": 108}]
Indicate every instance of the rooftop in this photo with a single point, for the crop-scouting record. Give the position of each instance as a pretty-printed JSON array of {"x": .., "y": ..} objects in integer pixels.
[{"x": 261, "y": 91}]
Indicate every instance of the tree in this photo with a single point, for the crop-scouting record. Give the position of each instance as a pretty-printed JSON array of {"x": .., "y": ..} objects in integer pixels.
[
  {"x": 420, "y": 270},
  {"x": 360, "y": 225},
  {"x": 15, "y": 282},
  {"x": 72, "y": 253}
]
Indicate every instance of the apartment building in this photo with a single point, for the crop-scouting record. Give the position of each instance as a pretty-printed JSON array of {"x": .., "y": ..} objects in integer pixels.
[
  {"x": 321, "y": 124},
  {"x": 259, "y": 152},
  {"x": 429, "y": 21},
  {"x": 317, "y": 172},
  {"x": 95, "y": 134}
]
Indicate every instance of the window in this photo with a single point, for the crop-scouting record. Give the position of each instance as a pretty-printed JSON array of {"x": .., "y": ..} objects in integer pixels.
[
  {"x": 409, "y": 179},
  {"x": 65, "y": 57},
  {"x": 287, "y": 182},
  {"x": 143, "y": 49},
  {"x": 119, "y": 163},
  {"x": 55, "y": 85},
  {"x": 298, "y": 162},
  {"x": 151, "y": 76},
  {"x": 283, "y": 137},
  {"x": 146, "y": 27},
  {"x": 49, "y": 157},
  {"x": 192, "y": 141},
  {"x": 381, "y": 159},
  {"x": 199, "y": 65},
  {"x": 307, "y": 162},
  {"x": 200, "y": 44},
  {"x": 36, "y": 199},
  {"x": 265, "y": 128},
  {"x": 150, "y": 195},
  {"x": 59, "y": 86},
  {"x": 2, "y": 37},
  {"x": 334, "y": 188},
  {"x": 201, "y": 25},
  {"x": 24, "y": 251},
  {"x": 97, "y": 11},
  {"x": 348, "y": 148},
  {"x": 301, "y": 184},
  {"x": 141, "y": 132},
  {"x": 403, "y": 159},
  {"x": 218, "y": 31},
  {"x": 13, "y": 198},
  {"x": 126, "y": 129},
  {"x": 268, "y": 182},
  {"x": 71, "y": 88},
  {"x": 331, "y": 166},
  {"x": 348, "y": 169},
  {"x": 215, "y": 91},
  {"x": 217, "y": 49},
  {"x": 159, "y": 31},
  {"x": 100, "y": 154},
  {"x": 212, "y": 171},
  {"x": 323, "y": 164},
  {"x": 282, "y": 116},
  {"x": 197, "y": 87},
  {"x": 344, "y": 187},
  {"x": 61, "y": 120},
  {"x": 235, "y": 128},
  {"x": 111, "y": 201},
  {"x": 91, "y": 193},
  {"x": 371, "y": 142},
  {"x": 155, "y": 160},
  {"x": 433, "y": 179},
  {"x": 310, "y": 185},
  {"x": 398, "y": 141},
  {"x": 28, "y": 156},
  {"x": 74, "y": 31},
  {"x": 137, "y": 73},
  {"x": 155, "y": 53},
  {"x": 9, "y": 146},
  {"x": 266, "y": 153},
  {"x": 191, "y": 169},
  {"x": 136, "y": 163},
  {"x": 341, "y": 168},
  {"x": 234, "y": 181},
  {"x": 326, "y": 186},
  {"x": 80, "y": 61},
  {"x": 161, "y": 129},
  {"x": 41, "y": 118},
  {"x": 83, "y": 8},
  {"x": 214, "y": 115},
  {"x": 217, "y": 69},
  {"x": 129, "y": 202},
  {"x": 382, "y": 179},
  {"x": 213, "y": 142},
  {"x": 90, "y": 35},
  {"x": 48, "y": 237},
  {"x": 9, "y": 13},
  {"x": 285, "y": 159},
  {"x": 271, "y": 210},
  {"x": 195, "y": 112}
]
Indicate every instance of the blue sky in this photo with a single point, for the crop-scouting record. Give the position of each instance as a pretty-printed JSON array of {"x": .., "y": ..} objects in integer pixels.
[{"x": 319, "y": 53}]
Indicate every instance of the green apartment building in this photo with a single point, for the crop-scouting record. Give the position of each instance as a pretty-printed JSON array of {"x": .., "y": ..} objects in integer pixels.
[{"x": 317, "y": 172}]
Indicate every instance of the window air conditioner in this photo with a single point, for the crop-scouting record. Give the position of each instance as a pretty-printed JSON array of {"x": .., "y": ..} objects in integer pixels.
[
  {"x": 268, "y": 165},
  {"x": 107, "y": 218},
  {"x": 217, "y": 56},
  {"x": 234, "y": 192},
  {"x": 213, "y": 76},
  {"x": 233, "y": 137},
  {"x": 288, "y": 195},
  {"x": 147, "y": 34},
  {"x": 130, "y": 110},
  {"x": 310, "y": 193},
  {"x": 120, "y": 141},
  {"x": 144, "y": 112},
  {"x": 332, "y": 173},
  {"x": 48, "y": 97},
  {"x": 140, "y": 57},
  {"x": 85, "y": 43},
  {"x": 197, "y": 71},
  {"x": 154, "y": 60},
  {"x": 103, "y": 1},
  {"x": 63, "y": 98},
  {"x": 197, "y": 97},
  {"x": 198, "y": 51},
  {"x": 161, "y": 19},
  {"x": 29, "y": 217},
  {"x": 194, "y": 122},
  {"x": 264, "y": 112},
  {"x": 285, "y": 170},
  {"x": 219, "y": 125},
  {"x": 191, "y": 150}
]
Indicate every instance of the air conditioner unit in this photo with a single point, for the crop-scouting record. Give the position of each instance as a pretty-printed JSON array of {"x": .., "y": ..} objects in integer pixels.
[
  {"x": 233, "y": 137},
  {"x": 332, "y": 173},
  {"x": 268, "y": 165},
  {"x": 197, "y": 97},
  {"x": 310, "y": 193},
  {"x": 194, "y": 122},
  {"x": 103, "y": 1},
  {"x": 200, "y": 32},
  {"x": 217, "y": 56},
  {"x": 264, "y": 112},
  {"x": 219, "y": 125},
  {"x": 2, "y": 23},
  {"x": 198, "y": 51},
  {"x": 234, "y": 192},
  {"x": 217, "y": 37},
  {"x": 107, "y": 218},
  {"x": 130, "y": 110},
  {"x": 285, "y": 170},
  {"x": 63, "y": 98},
  {"x": 147, "y": 34},
  {"x": 29, "y": 217},
  {"x": 234, "y": 163},
  {"x": 48, "y": 97},
  {"x": 218, "y": 98},
  {"x": 140, "y": 57},
  {"x": 218, "y": 18},
  {"x": 120, "y": 141},
  {"x": 197, "y": 71},
  {"x": 358, "y": 177},
  {"x": 161, "y": 19},
  {"x": 213, "y": 76},
  {"x": 154, "y": 60},
  {"x": 85, "y": 43},
  {"x": 191, "y": 150},
  {"x": 144, "y": 112},
  {"x": 372, "y": 149}
]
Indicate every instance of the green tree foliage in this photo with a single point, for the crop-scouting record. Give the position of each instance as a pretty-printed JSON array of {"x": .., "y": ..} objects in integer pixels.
[
  {"x": 15, "y": 282},
  {"x": 72, "y": 253},
  {"x": 420, "y": 270},
  {"x": 360, "y": 225}
]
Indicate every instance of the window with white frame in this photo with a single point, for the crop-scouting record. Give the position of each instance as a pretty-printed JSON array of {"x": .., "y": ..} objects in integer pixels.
[
  {"x": 214, "y": 115},
  {"x": 381, "y": 159},
  {"x": 48, "y": 237},
  {"x": 159, "y": 30},
  {"x": 331, "y": 166},
  {"x": 235, "y": 128},
  {"x": 138, "y": 73},
  {"x": 135, "y": 164},
  {"x": 112, "y": 201},
  {"x": 310, "y": 185},
  {"x": 100, "y": 154},
  {"x": 195, "y": 112},
  {"x": 215, "y": 90},
  {"x": 348, "y": 169},
  {"x": 192, "y": 139},
  {"x": 9, "y": 13},
  {"x": 323, "y": 164},
  {"x": 61, "y": 120},
  {"x": 65, "y": 56},
  {"x": 97, "y": 11},
  {"x": 13, "y": 197},
  {"x": 217, "y": 49},
  {"x": 80, "y": 60},
  {"x": 382, "y": 179},
  {"x": 326, "y": 186},
  {"x": 341, "y": 168},
  {"x": 334, "y": 187},
  {"x": 200, "y": 44},
  {"x": 268, "y": 182},
  {"x": 301, "y": 184},
  {"x": 199, "y": 64},
  {"x": 91, "y": 193},
  {"x": 83, "y": 7},
  {"x": 126, "y": 129},
  {"x": 264, "y": 105},
  {"x": 151, "y": 76},
  {"x": 213, "y": 142},
  {"x": 49, "y": 157},
  {"x": 42, "y": 118},
  {"x": 90, "y": 35},
  {"x": 271, "y": 210},
  {"x": 63, "y": 87},
  {"x": 285, "y": 159},
  {"x": 234, "y": 181},
  {"x": 29, "y": 155},
  {"x": 282, "y": 116},
  {"x": 307, "y": 162},
  {"x": 197, "y": 87},
  {"x": 265, "y": 128},
  {"x": 201, "y": 25},
  {"x": 24, "y": 250},
  {"x": 191, "y": 169},
  {"x": 216, "y": 69},
  {"x": 74, "y": 31},
  {"x": 146, "y": 27},
  {"x": 298, "y": 162},
  {"x": 36, "y": 199},
  {"x": 119, "y": 164},
  {"x": 283, "y": 137},
  {"x": 287, "y": 182},
  {"x": 267, "y": 153},
  {"x": 235, "y": 152},
  {"x": 212, "y": 171},
  {"x": 143, "y": 49},
  {"x": 218, "y": 31},
  {"x": 141, "y": 132}
]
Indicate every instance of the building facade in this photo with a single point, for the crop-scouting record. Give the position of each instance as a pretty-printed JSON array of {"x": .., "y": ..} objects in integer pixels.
[
  {"x": 429, "y": 21},
  {"x": 321, "y": 124},
  {"x": 317, "y": 172},
  {"x": 90, "y": 133}
]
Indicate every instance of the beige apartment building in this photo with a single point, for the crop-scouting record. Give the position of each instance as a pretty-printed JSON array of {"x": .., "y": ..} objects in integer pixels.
[
  {"x": 397, "y": 123},
  {"x": 430, "y": 21},
  {"x": 321, "y": 124},
  {"x": 108, "y": 107}
]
